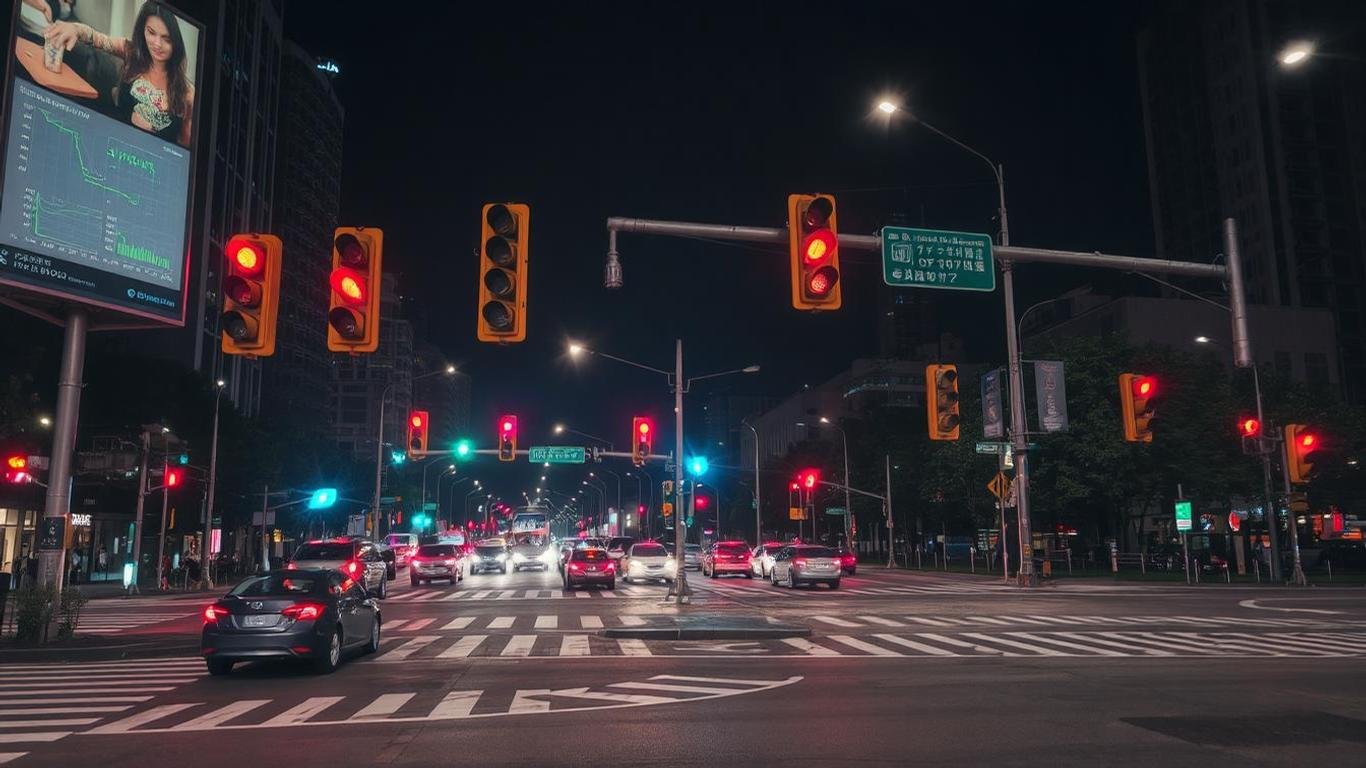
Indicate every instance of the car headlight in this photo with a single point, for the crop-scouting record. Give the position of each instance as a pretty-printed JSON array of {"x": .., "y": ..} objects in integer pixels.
[
  {"x": 518, "y": 557},
  {"x": 501, "y": 557},
  {"x": 548, "y": 556}
]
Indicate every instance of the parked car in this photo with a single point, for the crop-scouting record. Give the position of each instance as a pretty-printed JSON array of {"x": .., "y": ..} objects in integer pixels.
[
  {"x": 647, "y": 560},
  {"x": 356, "y": 557},
  {"x": 761, "y": 560},
  {"x": 436, "y": 561},
  {"x": 806, "y": 564},
  {"x": 727, "y": 557},
  {"x": 315, "y": 614},
  {"x": 590, "y": 565}
]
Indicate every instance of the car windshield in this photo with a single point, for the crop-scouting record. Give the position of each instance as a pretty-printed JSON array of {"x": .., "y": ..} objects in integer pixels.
[
  {"x": 815, "y": 552},
  {"x": 648, "y": 550},
  {"x": 325, "y": 551},
  {"x": 398, "y": 540},
  {"x": 731, "y": 549},
  {"x": 279, "y": 584},
  {"x": 487, "y": 550},
  {"x": 589, "y": 554},
  {"x": 436, "y": 550}
]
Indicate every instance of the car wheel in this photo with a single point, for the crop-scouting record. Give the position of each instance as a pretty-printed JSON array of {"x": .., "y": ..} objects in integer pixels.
[
  {"x": 384, "y": 589},
  {"x": 373, "y": 645},
  {"x": 791, "y": 580},
  {"x": 219, "y": 667},
  {"x": 327, "y": 661},
  {"x": 835, "y": 584}
]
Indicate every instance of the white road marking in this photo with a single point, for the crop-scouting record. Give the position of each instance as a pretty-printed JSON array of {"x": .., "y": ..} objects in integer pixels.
[
  {"x": 502, "y": 622},
  {"x": 409, "y": 648},
  {"x": 459, "y": 622},
  {"x": 835, "y": 621},
  {"x": 302, "y": 712},
  {"x": 547, "y": 622},
  {"x": 868, "y": 648},
  {"x": 922, "y": 647},
  {"x": 384, "y": 705},
  {"x": 142, "y": 718},
  {"x": 574, "y": 645},
  {"x": 456, "y": 704},
  {"x": 810, "y": 648},
  {"x": 462, "y": 647},
  {"x": 882, "y": 621},
  {"x": 591, "y": 622},
  {"x": 633, "y": 647},
  {"x": 221, "y": 715},
  {"x": 519, "y": 645}
]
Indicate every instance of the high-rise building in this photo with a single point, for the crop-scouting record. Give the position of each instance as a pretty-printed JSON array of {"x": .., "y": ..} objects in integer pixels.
[
  {"x": 1231, "y": 131},
  {"x": 296, "y": 380},
  {"x": 362, "y": 382}
]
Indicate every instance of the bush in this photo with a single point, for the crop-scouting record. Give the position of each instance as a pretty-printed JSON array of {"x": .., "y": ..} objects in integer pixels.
[
  {"x": 33, "y": 606},
  {"x": 69, "y": 612}
]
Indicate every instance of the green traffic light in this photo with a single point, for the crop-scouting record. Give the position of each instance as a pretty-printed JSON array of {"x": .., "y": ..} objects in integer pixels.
[
  {"x": 463, "y": 449},
  {"x": 184, "y": 458},
  {"x": 323, "y": 498},
  {"x": 698, "y": 466},
  {"x": 398, "y": 457}
]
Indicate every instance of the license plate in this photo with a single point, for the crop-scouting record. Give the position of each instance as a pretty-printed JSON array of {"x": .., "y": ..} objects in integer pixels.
[
  {"x": 258, "y": 621},
  {"x": 592, "y": 569}
]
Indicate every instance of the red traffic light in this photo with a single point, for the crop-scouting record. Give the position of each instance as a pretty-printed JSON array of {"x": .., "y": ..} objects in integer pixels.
[
  {"x": 701, "y": 502},
  {"x": 822, "y": 281},
  {"x": 1249, "y": 427},
  {"x": 643, "y": 428},
  {"x": 509, "y": 424},
  {"x": 173, "y": 478},
  {"x": 416, "y": 420},
  {"x": 818, "y": 246},
  {"x": 809, "y": 478},
  {"x": 1145, "y": 386},
  {"x": 247, "y": 256},
  {"x": 349, "y": 285}
]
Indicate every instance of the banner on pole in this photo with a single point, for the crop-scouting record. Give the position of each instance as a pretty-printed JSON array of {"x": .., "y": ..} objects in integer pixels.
[
  {"x": 993, "y": 419},
  {"x": 1051, "y": 391}
]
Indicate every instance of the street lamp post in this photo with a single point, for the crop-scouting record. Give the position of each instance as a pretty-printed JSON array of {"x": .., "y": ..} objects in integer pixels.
[
  {"x": 428, "y": 465},
  {"x": 379, "y": 436},
  {"x": 206, "y": 561},
  {"x": 758, "y": 520},
  {"x": 560, "y": 428},
  {"x": 848, "y": 508},
  {"x": 620, "y": 511}
]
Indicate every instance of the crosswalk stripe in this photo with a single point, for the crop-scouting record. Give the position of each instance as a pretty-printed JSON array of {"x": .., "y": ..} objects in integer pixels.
[
  {"x": 1343, "y": 642},
  {"x": 78, "y": 700},
  {"x": 383, "y": 705},
  {"x": 1013, "y": 644},
  {"x": 394, "y": 626},
  {"x": 945, "y": 639},
  {"x": 882, "y": 621},
  {"x": 532, "y": 593},
  {"x": 481, "y": 594},
  {"x": 95, "y": 666},
  {"x": 88, "y": 677},
  {"x": 1052, "y": 619},
  {"x": 49, "y": 722},
  {"x": 580, "y": 594},
  {"x": 300, "y": 713},
  {"x": 810, "y": 648},
  {"x": 609, "y": 593},
  {"x": 1051, "y": 640},
  {"x": 519, "y": 645},
  {"x": 1128, "y": 647},
  {"x": 990, "y": 620},
  {"x": 126, "y": 724},
  {"x": 409, "y": 648},
  {"x": 906, "y": 643},
  {"x": 418, "y": 624},
  {"x": 835, "y": 621},
  {"x": 462, "y": 647},
  {"x": 6, "y": 757},
  {"x": 453, "y": 595},
  {"x": 869, "y": 648},
  {"x": 574, "y": 645},
  {"x": 501, "y": 622},
  {"x": 930, "y": 622},
  {"x": 19, "y": 738},
  {"x": 633, "y": 647},
  {"x": 1273, "y": 640},
  {"x": 456, "y": 704},
  {"x": 547, "y": 622},
  {"x": 632, "y": 621},
  {"x": 61, "y": 710},
  {"x": 426, "y": 596},
  {"x": 1162, "y": 640},
  {"x": 507, "y": 593},
  {"x": 459, "y": 622},
  {"x": 67, "y": 686},
  {"x": 591, "y": 622},
  {"x": 221, "y": 715}
]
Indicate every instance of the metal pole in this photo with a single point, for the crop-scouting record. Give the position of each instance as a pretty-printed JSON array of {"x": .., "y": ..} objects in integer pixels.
[
  {"x": 1185, "y": 542},
  {"x": 1271, "y": 515},
  {"x": 206, "y": 583},
  {"x": 758, "y": 506},
  {"x": 137, "y": 518},
  {"x": 848, "y": 506},
  {"x": 165, "y": 507},
  {"x": 680, "y": 583},
  {"x": 265, "y": 510},
  {"x": 52, "y": 563},
  {"x": 379, "y": 451},
  {"x": 1298, "y": 569},
  {"x": 1242, "y": 342},
  {"x": 891, "y": 540},
  {"x": 1005, "y": 551}
]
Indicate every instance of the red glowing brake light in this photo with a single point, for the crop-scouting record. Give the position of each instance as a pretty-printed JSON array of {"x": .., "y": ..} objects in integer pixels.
[
  {"x": 213, "y": 613},
  {"x": 352, "y": 567},
  {"x": 304, "y": 611},
  {"x": 799, "y": 562}
]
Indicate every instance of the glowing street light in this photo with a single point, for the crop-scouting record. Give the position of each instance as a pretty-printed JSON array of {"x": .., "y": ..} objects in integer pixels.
[{"x": 1295, "y": 53}]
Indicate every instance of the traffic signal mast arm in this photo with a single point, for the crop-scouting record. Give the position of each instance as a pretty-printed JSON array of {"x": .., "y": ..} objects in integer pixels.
[
  {"x": 852, "y": 489},
  {"x": 664, "y": 457}
]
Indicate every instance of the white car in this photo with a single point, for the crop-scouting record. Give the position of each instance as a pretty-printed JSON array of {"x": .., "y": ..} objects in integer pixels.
[
  {"x": 761, "y": 561},
  {"x": 647, "y": 561}
]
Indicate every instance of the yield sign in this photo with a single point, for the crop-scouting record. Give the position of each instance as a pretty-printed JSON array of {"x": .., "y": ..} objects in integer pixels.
[{"x": 999, "y": 486}]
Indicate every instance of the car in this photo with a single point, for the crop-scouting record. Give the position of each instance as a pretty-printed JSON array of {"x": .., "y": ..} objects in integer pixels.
[
  {"x": 617, "y": 546},
  {"x": 761, "y": 559},
  {"x": 727, "y": 557},
  {"x": 489, "y": 557},
  {"x": 848, "y": 560},
  {"x": 590, "y": 565},
  {"x": 569, "y": 545},
  {"x": 313, "y": 614},
  {"x": 532, "y": 554},
  {"x": 402, "y": 545},
  {"x": 647, "y": 560},
  {"x": 806, "y": 564},
  {"x": 356, "y": 557},
  {"x": 692, "y": 556},
  {"x": 436, "y": 561}
]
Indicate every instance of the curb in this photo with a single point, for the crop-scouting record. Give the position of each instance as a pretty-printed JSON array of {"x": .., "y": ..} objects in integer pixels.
[{"x": 705, "y": 633}]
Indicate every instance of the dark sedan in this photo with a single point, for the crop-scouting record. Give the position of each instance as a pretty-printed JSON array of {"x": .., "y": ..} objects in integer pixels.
[{"x": 310, "y": 614}]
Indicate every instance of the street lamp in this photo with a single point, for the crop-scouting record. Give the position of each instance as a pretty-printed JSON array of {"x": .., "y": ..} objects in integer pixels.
[
  {"x": 45, "y": 421},
  {"x": 1296, "y": 53},
  {"x": 206, "y": 583},
  {"x": 379, "y": 437},
  {"x": 1017, "y": 412},
  {"x": 561, "y": 428},
  {"x": 848, "y": 509}
]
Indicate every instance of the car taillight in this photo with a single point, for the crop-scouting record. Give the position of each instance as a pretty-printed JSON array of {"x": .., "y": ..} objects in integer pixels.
[
  {"x": 611, "y": 566},
  {"x": 289, "y": 566},
  {"x": 213, "y": 613},
  {"x": 575, "y": 565},
  {"x": 849, "y": 560},
  {"x": 352, "y": 567},
  {"x": 799, "y": 563},
  {"x": 303, "y": 611}
]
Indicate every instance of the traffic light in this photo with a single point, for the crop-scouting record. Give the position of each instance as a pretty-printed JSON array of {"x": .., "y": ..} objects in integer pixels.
[
  {"x": 463, "y": 449},
  {"x": 356, "y": 280},
  {"x": 814, "y": 248},
  {"x": 1301, "y": 449},
  {"x": 698, "y": 465},
  {"x": 507, "y": 438},
  {"x": 174, "y": 477},
  {"x": 418, "y": 424},
  {"x": 16, "y": 469},
  {"x": 808, "y": 479},
  {"x": 503, "y": 272},
  {"x": 251, "y": 295},
  {"x": 701, "y": 502},
  {"x": 642, "y": 431},
  {"x": 1137, "y": 398},
  {"x": 941, "y": 401},
  {"x": 1249, "y": 427}
]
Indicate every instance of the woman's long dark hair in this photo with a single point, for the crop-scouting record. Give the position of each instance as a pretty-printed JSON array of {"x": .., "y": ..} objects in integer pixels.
[{"x": 139, "y": 59}]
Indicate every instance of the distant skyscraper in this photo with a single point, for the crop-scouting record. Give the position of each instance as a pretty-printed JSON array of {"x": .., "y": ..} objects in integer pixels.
[{"x": 1231, "y": 132}]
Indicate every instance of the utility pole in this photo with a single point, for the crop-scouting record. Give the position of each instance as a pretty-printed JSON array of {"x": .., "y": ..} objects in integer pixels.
[
  {"x": 205, "y": 558},
  {"x": 682, "y": 594},
  {"x": 891, "y": 540},
  {"x": 137, "y": 518},
  {"x": 165, "y": 507},
  {"x": 57, "y": 505},
  {"x": 758, "y": 519}
]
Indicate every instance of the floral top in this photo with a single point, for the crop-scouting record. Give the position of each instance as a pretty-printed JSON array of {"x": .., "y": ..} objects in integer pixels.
[{"x": 152, "y": 104}]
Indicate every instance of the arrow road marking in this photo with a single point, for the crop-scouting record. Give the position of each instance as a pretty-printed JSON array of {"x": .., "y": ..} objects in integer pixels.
[{"x": 1253, "y": 604}]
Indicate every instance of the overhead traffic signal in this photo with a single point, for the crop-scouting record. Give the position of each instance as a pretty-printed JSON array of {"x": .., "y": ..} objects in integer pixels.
[
  {"x": 941, "y": 401},
  {"x": 507, "y": 438},
  {"x": 697, "y": 465},
  {"x": 642, "y": 439},
  {"x": 357, "y": 273},
  {"x": 463, "y": 449},
  {"x": 16, "y": 469},
  {"x": 808, "y": 479},
  {"x": 1138, "y": 402},
  {"x": 503, "y": 272},
  {"x": 173, "y": 477},
  {"x": 251, "y": 295},
  {"x": 1301, "y": 449},
  {"x": 813, "y": 245},
  {"x": 419, "y": 422},
  {"x": 1250, "y": 430}
]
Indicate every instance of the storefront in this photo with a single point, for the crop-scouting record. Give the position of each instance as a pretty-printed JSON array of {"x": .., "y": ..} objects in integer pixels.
[{"x": 17, "y": 530}]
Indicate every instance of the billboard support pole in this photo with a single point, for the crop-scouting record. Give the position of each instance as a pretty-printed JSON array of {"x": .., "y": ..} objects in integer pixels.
[{"x": 52, "y": 563}]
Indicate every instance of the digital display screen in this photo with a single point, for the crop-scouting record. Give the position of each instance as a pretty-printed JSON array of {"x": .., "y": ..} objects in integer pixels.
[{"x": 98, "y": 162}]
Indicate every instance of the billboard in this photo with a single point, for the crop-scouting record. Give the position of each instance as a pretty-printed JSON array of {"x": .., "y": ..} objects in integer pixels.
[{"x": 100, "y": 127}]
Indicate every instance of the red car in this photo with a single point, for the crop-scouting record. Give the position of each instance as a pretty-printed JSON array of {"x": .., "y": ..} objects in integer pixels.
[
  {"x": 848, "y": 561},
  {"x": 727, "y": 557},
  {"x": 590, "y": 565}
]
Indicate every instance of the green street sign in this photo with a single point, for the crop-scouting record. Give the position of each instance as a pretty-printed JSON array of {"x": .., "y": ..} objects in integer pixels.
[
  {"x": 1183, "y": 516},
  {"x": 932, "y": 258},
  {"x": 429, "y": 506},
  {"x": 834, "y": 510},
  {"x": 557, "y": 454},
  {"x": 995, "y": 448}
]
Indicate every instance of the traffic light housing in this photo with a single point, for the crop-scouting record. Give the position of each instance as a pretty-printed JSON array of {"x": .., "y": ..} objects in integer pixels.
[
  {"x": 419, "y": 422},
  {"x": 503, "y": 254},
  {"x": 356, "y": 282},
  {"x": 1138, "y": 402},
  {"x": 173, "y": 477},
  {"x": 251, "y": 295},
  {"x": 642, "y": 439},
  {"x": 808, "y": 479},
  {"x": 1250, "y": 430},
  {"x": 507, "y": 437},
  {"x": 1301, "y": 448},
  {"x": 16, "y": 469},
  {"x": 941, "y": 401},
  {"x": 813, "y": 245}
]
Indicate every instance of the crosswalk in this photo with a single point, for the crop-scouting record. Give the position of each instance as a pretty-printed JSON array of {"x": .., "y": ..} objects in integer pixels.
[
  {"x": 42, "y": 703},
  {"x": 466, "y": 594},
  {"x": 121, "y": 618},
  {"x": 721, "y": 587}
]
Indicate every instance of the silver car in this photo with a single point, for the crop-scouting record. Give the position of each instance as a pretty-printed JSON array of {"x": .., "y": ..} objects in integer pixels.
[
  {"x": 356, "y": 557},
  {"x": 692, "y": 556},
  {"x": 806, "y": 564}
]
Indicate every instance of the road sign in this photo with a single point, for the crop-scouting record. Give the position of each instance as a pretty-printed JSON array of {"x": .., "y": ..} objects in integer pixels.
[
  {"x": 429, "y": 506},
  {"x": 999, "y": 486},
  {"x": 557, "y": 454},
  {"x": 796, "y": 513},
  {"x": 1183, "y": 516},
  {"x": 932, "y": 258},
  {"x": 834, "y": 510},
  {"x": 994, "y": 448}
]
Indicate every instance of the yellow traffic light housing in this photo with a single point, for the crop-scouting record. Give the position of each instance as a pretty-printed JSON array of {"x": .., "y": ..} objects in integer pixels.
[
  {"x": 356, "y": 280},
  {"x": 503, "y": 252},
  {"x": 813, "y": 246},
  {"x": 1137, "y": 400},
  {"x": 1300, "y": 446},
  {"x": 251, "y": 294},
  {"x": 941, "y": 401},
  {"x": 419, "y": 422}
]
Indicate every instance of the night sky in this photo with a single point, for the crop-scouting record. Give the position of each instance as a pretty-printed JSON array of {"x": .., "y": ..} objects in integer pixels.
[{"x": 715, "y": 114}]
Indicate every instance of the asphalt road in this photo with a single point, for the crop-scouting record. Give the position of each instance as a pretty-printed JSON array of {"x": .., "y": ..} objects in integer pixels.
[{"x": 899, "y": 669}]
